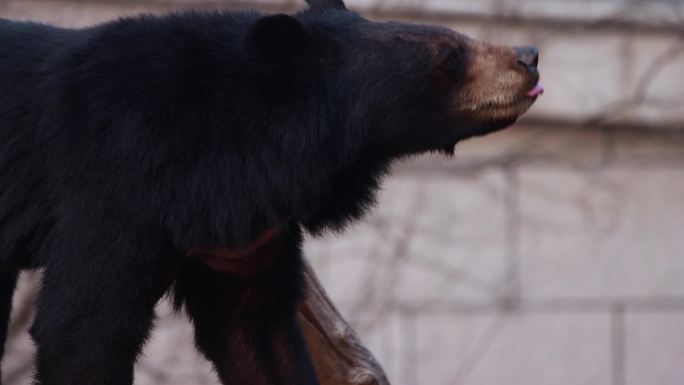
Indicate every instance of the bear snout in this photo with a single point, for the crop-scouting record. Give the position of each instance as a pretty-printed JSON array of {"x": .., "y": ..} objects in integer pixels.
[
  {"x": 502, "y": 82},
  {"x": 528, "y": 59}
]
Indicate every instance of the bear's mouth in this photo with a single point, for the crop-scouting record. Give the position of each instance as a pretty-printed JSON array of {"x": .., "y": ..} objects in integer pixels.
[
  {"x": 504, "y": 109},
  {"x": 503, "y": 106},
  {"x": 510, "y": 110},
  {"x": 536, "y": 91},
  {"x": 494, "y": 115}
]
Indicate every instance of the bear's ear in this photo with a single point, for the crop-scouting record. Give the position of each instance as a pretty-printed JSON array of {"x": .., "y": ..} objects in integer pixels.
[
  {"x": 278, "y": 39},
  {"x": 327, "y": 4}
]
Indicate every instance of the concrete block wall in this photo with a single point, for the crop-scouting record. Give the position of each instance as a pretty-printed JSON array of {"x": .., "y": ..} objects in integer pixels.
[{"x": 562, "y": 264}]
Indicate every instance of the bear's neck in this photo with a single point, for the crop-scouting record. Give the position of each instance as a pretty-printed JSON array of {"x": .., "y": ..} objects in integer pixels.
[{"x": 342, "y": 175}]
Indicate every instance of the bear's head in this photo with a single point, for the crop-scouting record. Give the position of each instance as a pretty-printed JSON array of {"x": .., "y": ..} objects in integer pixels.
[{"x": 407, "y": 88}]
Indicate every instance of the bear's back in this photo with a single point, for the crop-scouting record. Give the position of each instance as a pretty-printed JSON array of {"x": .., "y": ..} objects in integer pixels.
[{"x": 115, "y": 93}]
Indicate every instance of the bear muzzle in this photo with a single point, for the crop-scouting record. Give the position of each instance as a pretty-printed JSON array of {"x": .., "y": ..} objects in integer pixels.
[{"x": 502, "y": 82}]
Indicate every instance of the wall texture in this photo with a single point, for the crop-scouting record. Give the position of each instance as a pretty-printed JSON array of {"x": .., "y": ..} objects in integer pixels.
[{"x": 550, "y": 253}]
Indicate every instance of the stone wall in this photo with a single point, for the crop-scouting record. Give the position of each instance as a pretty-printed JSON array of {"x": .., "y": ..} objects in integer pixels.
[{"x": 550, "y": 253}]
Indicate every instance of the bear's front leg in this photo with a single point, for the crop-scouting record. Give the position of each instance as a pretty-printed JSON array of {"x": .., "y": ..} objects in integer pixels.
[
  {"x": 8, "y": 281},
  {"x": 96, "y": 307},
  {"x": 246, "y": 318}
]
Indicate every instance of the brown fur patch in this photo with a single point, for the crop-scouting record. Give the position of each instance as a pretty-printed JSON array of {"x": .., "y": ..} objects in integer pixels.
[{"x": 256, "y": 257}]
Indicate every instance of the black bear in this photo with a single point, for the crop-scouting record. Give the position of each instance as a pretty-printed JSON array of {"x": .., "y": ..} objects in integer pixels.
[{"x": 188, "y": 153}]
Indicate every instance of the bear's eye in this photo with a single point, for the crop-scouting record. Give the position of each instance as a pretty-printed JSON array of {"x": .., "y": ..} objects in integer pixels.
[{"x": 453, "y": 59}]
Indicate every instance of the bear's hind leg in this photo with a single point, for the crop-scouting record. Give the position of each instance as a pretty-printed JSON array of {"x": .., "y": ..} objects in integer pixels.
[{"x": 247, "y": 325}]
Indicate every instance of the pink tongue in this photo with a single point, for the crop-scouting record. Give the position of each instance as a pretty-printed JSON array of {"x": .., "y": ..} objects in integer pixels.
[{"x": 536, "y": 91}]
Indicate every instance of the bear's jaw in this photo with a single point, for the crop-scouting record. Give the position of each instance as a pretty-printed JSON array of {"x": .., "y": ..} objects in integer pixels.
[
  {"x": 492, "y": 115},
  {"x": 468, "y": 128},
  {"x": 502, "y": 110}
]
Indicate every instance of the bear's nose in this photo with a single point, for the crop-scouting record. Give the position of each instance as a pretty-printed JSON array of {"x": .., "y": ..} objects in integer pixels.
[{"x": 528, "y": 58}]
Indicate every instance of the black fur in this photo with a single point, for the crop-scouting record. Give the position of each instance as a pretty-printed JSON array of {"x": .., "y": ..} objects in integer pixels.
[
  {"x": 326, "y": 4},
  {"x": 7, "y": 282},
  {"x": 124, "y": 145}
]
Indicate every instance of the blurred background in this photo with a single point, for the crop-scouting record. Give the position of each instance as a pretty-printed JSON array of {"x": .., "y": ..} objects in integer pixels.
[{"x": 549, "y": 253}]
